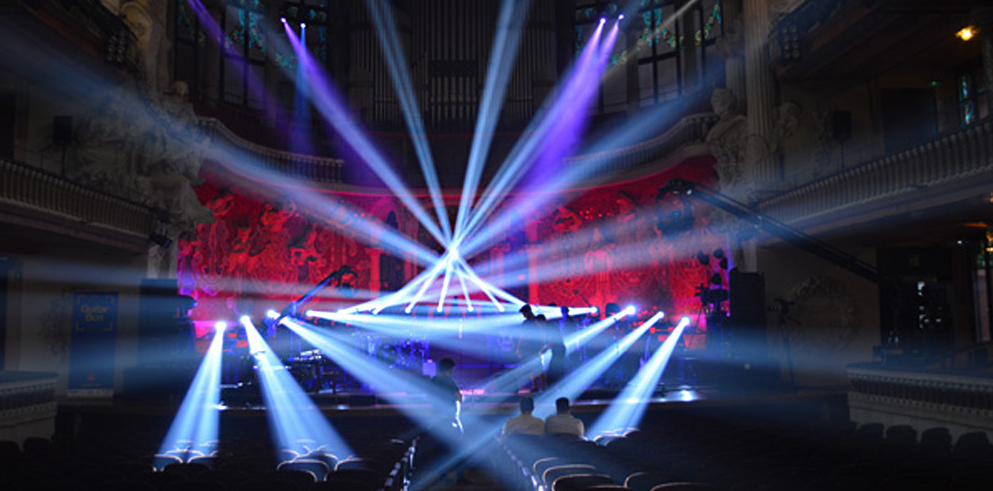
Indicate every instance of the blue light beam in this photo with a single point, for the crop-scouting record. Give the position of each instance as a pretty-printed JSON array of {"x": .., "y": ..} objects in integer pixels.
[
  {"x": 382, "y": 16},
  {"x": 579, "y": 380},
  {"x": 199, "y": 414},
  {"x": 628, "y": 408},
  {"x": 291, "y": 413},
  {"x": 506, "y": 41}
]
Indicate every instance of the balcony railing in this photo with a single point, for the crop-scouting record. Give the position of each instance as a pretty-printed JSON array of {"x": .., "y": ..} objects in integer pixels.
[
  {"x": 36, "y": 189},
  {"x": 27, "y": 398},
  {"x": 958, "y": 157},
  {"x": 691, "y": 130},
  {"x": 306, "y": 167},
  {"x": 921, "y": 398}
]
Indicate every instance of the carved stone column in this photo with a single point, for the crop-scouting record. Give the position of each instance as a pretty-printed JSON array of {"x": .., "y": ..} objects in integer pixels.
[
  {"x": 760, "y": 94},
  {"x": 731, "y": 46},
  {"x": 162, "y": 260},
  {"x": 375, "y": 276},
  {"x": 147, "y": 20}
]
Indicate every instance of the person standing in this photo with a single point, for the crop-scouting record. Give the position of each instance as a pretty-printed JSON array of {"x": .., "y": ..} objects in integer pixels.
[
  {"x": 447, "y": 398},
  {"x": 529, "y": 343},
  {"x": 444, "y": 432}
]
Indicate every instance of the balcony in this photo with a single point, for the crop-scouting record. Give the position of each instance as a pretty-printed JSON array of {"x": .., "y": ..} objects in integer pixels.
[
  {"x": 27, "y": 405},
  {"x": 33, "y": 198},
  {"x": 923, "y": 399},
  {"x": 833, "y": 41},
  {"x": 305, "y": 167},
  {"x": 686, "y": 138},
  {"x": 91, "y": 26},
  {"x": 952, "y": 168}
]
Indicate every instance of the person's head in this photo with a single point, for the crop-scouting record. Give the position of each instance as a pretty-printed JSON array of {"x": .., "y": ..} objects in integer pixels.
[
  {"x": 527, "y": 405},
  {"x": 562, "y": 405},
  {"x": 527, "y": 312},
  {"x": 565, "y": 312},
  {"x": 446, "y": 366},
  {"x": 541, "y": 318}
]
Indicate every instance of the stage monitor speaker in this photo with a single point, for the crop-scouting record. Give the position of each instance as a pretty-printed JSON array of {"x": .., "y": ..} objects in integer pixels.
[
  {"x": 841, "y": 125},
  {"x": 62, "y": 130}
]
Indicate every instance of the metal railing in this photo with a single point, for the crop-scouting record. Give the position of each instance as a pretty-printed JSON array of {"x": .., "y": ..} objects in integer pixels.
[
  {"x": 33, "y": 188},
  {"x": 307, "y": 167},
  {"x": 957, "y": 157}
]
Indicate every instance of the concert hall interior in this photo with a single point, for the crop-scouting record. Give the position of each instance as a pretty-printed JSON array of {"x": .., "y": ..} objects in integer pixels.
[{"x": 542, "y": 245}]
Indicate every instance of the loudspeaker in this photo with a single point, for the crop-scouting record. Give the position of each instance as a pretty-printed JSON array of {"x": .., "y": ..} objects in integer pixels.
[
  {"x": 62, "y": 130},
  {"x": 164, "y": 330},
  {"x": 746, "y": 364},
  {"x": 841, "y": 125},
  {"x": 747, "y": 300}
]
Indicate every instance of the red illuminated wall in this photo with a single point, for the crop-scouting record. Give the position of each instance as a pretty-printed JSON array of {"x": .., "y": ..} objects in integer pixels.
[{"x": 260, "y": 255}]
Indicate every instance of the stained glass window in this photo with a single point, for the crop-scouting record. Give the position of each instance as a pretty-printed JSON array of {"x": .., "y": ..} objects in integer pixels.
[
  {"x": 244, "y": 53},
  {"x": 190, "y": 38},
  {"x": 665, "y": 47},
  {"x": 973, "y": 96}
]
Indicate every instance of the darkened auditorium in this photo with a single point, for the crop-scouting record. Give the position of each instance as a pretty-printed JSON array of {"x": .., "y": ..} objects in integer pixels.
[{"x": 496, "y": 245}]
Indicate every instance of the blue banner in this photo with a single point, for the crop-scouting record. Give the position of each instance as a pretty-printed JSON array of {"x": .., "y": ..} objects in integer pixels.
[{"x": 92, "y": 347}]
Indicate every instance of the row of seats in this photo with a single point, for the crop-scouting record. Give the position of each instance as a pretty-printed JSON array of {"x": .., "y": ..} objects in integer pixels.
[
  {"x": 84, "y": 466},
  {"x": 687, "y": 453}
]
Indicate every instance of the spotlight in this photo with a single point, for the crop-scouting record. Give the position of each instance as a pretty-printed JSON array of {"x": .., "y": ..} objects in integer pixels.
[
  {"x": 308, "y": 313},
  {"x": 702, "y": 258},
  {"x": 220, "y": 326},
  {"x": 967, "y": 33},
  {"x": 282, "y": 19},
  {"x": 245, "y": 319},
  {"x": 620, "y": 17},
  {"x": 303, "y": 25},
  {"x": 272, "y": 314},
  {"x": 630, "y": 310},
  {"x": 603, "y": 19}
]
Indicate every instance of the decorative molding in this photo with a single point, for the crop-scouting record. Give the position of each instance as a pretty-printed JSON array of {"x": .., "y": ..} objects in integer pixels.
[
  {"x": 27, "y": 400},
  {"x": 965, "y": 156},
  {"x": 826, "y": 312},
  {"x": 963, "y": 401}
]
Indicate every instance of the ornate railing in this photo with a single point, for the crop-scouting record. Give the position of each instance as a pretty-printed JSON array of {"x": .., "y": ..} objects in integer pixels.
[
  {"x": 33, "y": 188},
  {"x": 307, "y": 167},
  {"x": 932, "y": 398},
  {"x": 688, "y": 131},
  {"x": 26, "y": 397},
  {"x": 958, "y": 157},
  {"x": 691, "y": 130}
]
